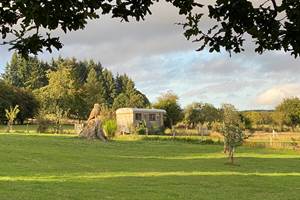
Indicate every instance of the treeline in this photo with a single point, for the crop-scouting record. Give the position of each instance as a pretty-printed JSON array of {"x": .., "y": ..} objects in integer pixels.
[
  {"x": 65, "y": 87},
  {"x": 197, "y": 114},
  {"x": 285, "y": 117}
]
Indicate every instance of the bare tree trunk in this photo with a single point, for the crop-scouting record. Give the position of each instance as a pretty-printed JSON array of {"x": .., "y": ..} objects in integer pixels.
[
  {"x": 9, "y": 126},
  {"x": 231, "y": 157},
  {"x": 225, "y": 149},
  {"x": 93, "y": 130},
  {"x": 225, "y": 146},
  {"x": 293, "y": 128}
]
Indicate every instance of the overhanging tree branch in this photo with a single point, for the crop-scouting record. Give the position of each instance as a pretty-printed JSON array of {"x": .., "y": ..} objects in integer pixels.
[{"x": 233, "y": 17}]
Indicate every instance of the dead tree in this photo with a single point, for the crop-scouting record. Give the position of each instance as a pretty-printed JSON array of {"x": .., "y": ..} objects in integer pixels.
[{"x": 93, "y": 127}]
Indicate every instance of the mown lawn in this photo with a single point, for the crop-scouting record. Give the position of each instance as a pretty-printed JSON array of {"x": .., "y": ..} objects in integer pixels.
[
  {"x": 32, "y": 128},
  {"x": 66, "y": 167}
]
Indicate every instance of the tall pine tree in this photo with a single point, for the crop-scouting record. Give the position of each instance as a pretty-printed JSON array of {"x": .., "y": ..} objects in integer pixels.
[
  {"x": 110, "y": 86},
  {"x": 26, "y": 73},
  {"x": 94, "y": 90}
]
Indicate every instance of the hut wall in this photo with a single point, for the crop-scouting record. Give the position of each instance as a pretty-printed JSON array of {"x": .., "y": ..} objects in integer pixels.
[{"x": 124, "y": 121}]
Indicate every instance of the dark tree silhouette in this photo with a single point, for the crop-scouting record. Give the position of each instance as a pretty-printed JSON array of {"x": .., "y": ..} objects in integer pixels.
[{"x": 272, "y": 24}]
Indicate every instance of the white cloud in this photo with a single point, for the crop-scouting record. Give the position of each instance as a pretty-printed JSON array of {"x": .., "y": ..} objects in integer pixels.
[
  {"x": 276, "y": 94},
  {"x": 156, "y": 55}
]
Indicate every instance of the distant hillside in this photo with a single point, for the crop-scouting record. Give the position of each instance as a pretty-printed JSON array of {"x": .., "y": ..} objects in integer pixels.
[{"x": 257, "y": 110}]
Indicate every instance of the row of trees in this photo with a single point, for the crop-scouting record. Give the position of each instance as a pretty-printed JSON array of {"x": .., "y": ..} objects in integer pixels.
[
  {"x": 67, "y": 87},
  {"x": 286, "y": 115},
  {"x": 193, "y": 114}
]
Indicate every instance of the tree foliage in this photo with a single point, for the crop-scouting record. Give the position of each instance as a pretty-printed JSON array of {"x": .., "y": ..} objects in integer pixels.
[
  {"x": 26, "y": 73},
  {"x": 12, "y": 96},
  {"x": 68, "y": 85},
  {"x": 94, "y": 90},
  {"x": 230, "y": 115},
  {"x": 271, "y": 24},
  {"x": 258, "y": 118},
  {"x": 278, "y": 119},
  {"x": 59, "y": 94},
  {"x": 290, "y": 108},
  {"x": 169, "y": 103},
  {"x": 127, "y": 95},
  {"x": 201, "y": 113}
]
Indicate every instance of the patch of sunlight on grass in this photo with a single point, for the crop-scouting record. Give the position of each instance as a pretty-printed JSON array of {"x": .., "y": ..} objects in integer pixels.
[
  {"x": 213, "y": 156},
  {"x": 269, "y": 155},
  {"x": 128, "y": 137},
  {"x": 93, "y": 176}
]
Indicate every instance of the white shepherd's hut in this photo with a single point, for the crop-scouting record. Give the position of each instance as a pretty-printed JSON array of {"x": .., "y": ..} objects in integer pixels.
[{"x": 132, "y": 117}]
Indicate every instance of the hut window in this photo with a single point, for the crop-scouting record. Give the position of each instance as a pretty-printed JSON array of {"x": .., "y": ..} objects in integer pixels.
[
  {"x": 138, "y": 116},
  {"x": 151, "y": 117},
  {"x": 158, "y": 117}
]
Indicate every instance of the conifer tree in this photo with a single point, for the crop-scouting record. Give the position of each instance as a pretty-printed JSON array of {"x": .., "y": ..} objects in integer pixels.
[{"x": 94, "y": 91}]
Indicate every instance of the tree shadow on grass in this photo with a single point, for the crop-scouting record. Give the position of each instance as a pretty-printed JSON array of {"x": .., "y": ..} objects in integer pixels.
[{"x": 179, "y": 185}]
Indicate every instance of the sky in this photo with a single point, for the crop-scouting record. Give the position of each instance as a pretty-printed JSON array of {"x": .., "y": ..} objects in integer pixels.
[{"x": 156, "y": 55}]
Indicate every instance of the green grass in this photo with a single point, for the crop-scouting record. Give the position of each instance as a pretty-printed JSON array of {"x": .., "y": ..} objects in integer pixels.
[
  {"x": 31, "y": 128},
  {"x": 63, "y": 167}
]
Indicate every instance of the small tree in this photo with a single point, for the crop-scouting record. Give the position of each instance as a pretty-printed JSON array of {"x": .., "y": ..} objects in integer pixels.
[
  {"x": 11, "y": 115},
  {"x": 231, "y": 130},
  {"x": 233, "y": 137},
  {"x": 60, "y": 114}
]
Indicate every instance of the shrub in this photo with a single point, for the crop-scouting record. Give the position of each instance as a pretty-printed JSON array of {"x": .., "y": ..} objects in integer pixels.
[
  {"x": 294, "y": 143},
  {"x": 43, "y": 125},
  {"x": 209, "y": 141},
  {"x": 181, "y": 125},
  {"x": 110, "y": 128},
  {"x": 141, "y": 128},
  {"x": 216, "y": 126},
  {"x": 168, "y": 131},
  {"x": 155, "y": 129},
  {"x": 187, "y": 139}
]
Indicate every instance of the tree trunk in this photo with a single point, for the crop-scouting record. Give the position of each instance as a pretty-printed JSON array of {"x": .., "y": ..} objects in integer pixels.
[
  {"x": 93, "y": 130},
  {"x": 9, "y": 126},
  {"x": 231, "y": 158},
  {"x": 231, "y": 152},
  {"x": 293, "y": 128}
]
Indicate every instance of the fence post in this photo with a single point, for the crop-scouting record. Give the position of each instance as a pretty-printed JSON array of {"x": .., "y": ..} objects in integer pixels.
[
  {"x": 271, "y": 141},
  {"x": 173, "y": 131}
]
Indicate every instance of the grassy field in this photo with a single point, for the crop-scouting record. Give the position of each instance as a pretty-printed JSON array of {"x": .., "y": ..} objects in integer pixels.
[
  {"x": 31, "y": 128},
  {"x": 65, "y": 167}
]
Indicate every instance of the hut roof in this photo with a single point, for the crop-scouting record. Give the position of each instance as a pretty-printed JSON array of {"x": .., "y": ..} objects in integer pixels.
[{"x": 142, "y": 110}]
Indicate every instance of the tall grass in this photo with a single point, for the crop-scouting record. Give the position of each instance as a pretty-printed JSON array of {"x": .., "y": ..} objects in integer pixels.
[{"x": 110, "y": 128}]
